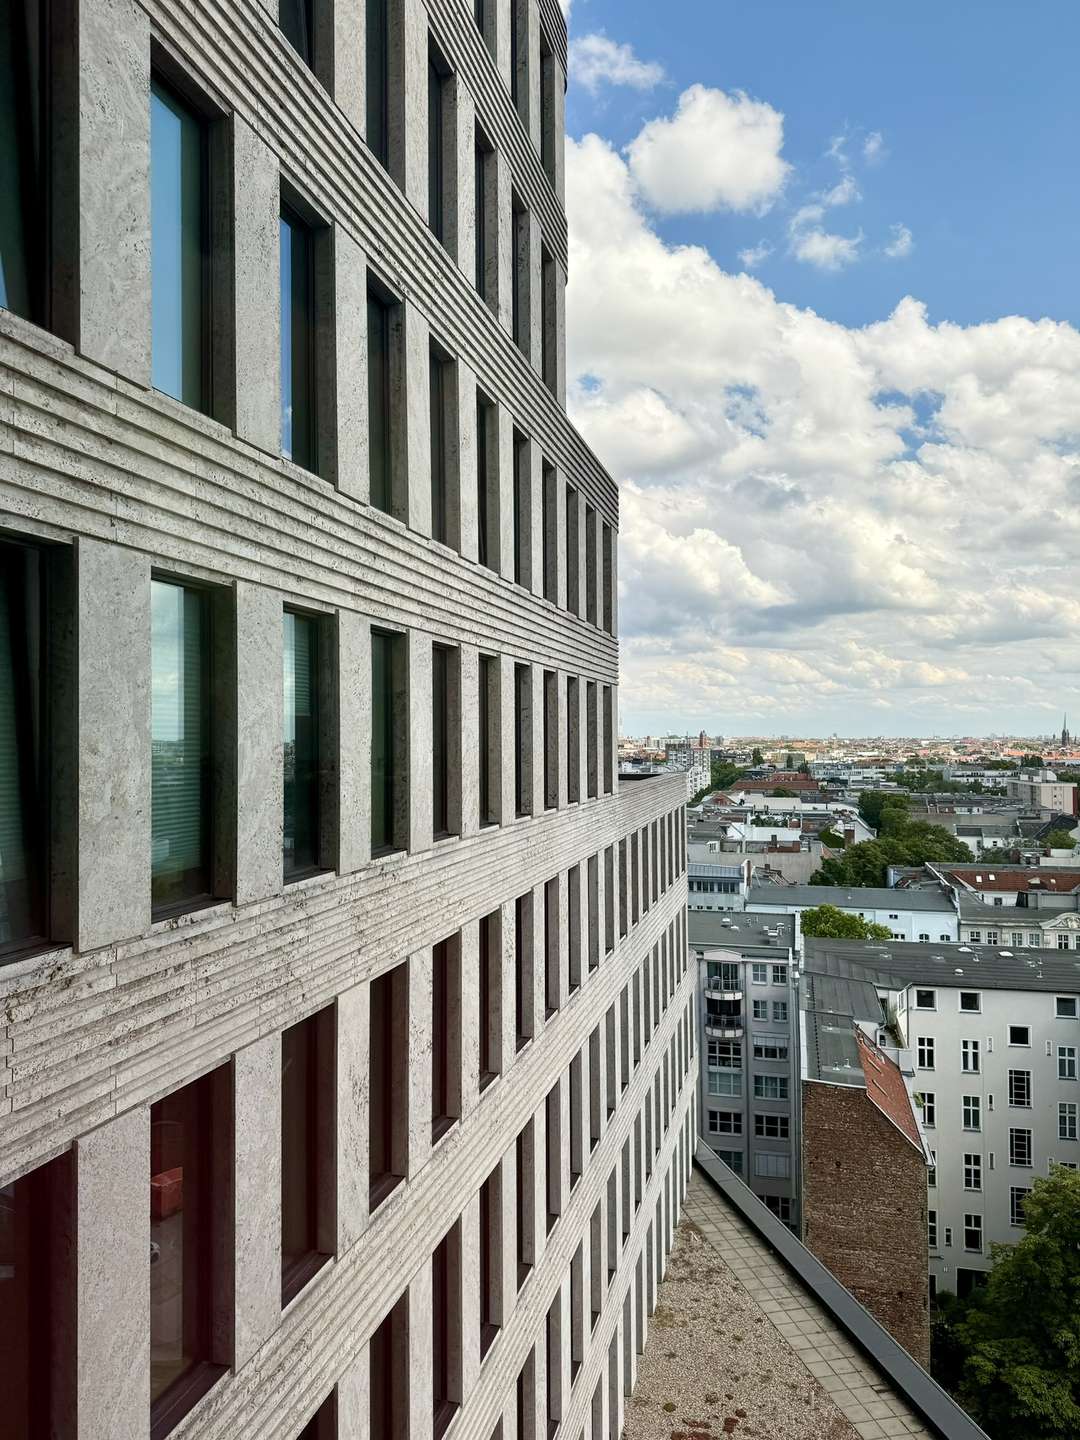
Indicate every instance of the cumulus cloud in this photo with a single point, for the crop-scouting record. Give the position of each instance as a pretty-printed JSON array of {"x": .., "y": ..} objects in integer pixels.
[
  {"x": 717, "y": 152},
  {"x": 824, "y": 250},
  {"x": 596, "y": 60},
  {"x": 755, "y": 255},
  {"x": 827, "y": 527},
  {"x": 873, "y": 148},
  {"x": 902, "y": 243}
]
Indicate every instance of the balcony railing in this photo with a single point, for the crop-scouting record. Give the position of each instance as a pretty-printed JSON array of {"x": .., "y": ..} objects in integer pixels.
[{"x": 724, "y": 1027}]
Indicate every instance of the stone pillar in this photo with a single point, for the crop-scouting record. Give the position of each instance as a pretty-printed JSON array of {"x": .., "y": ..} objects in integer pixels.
[
  {"x": 354, "y": 741},
  {"x": 467, "y": 463},
  {"x": 417, "y": 438},
  {"x": 354, "y": 1396},
  {"x": 256, "y": 292},
  {"x": 259, "y": 761},
  {"x": 257, "y": 1191},
  {"x": 353, "y": 1021},
  {"x": 350, "y": 353},
  {"x": 420, "y": 996},
  {"x": 471, "y": 1019}
]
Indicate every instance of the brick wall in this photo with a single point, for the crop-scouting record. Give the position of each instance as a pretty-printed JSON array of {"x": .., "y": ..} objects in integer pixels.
[{"x": 864, "y": 1209}]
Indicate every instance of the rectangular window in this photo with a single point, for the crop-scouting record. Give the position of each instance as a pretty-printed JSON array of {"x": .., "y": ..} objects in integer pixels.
[
  {"x": 1065, "y": 1007},
  {"x": 185, "y": 1249},
  {"x": 388, "y": 1079},
  {"x": 770, "y": 1087},
  {"x": 969, "y": 1056},
  {"x": 759, "y": 974},
  {"x": 733, "y": 1159},
  {"x": 550, "y": 545},
  {"x": 972, "y": 1172},
  {"x": 725, "y": 1122},
  {"x": 297, "y": 21},
  {"x": 770, "y": 1047},
  {"x": 779, "y": 974},
  {"x": 300, "y": 737},
  {"x": 523, "y": 958},
  {"x": 591, "y": 759},
  {"x": 488, "y": 779},
  {"x": 972, "y": 1110},
  {"x": 970, "y": 1000},
  {"x": 522, "y": 509},
  {"x": 552, "y": 947},
  {"x": 299, "y": 431},
  {"x": 389, "y": 1374},
  {"x": 779, "y": 1012},
  {"x": 389, "y": 747},
  {"x": 487, "y": 495},
  {"x": 553, "y": 1155},
  {"x": 573, "y": 739},
  {"x": 1066, "y": 1119},
  {"x": 577, "y": 1142},
  {"x": 609, "y": 740},
  {"x": 525, "y": 1188},
  {"x": 551, "y": 730},
  {"x": 573, "y": 922},
  {"x": 445, "y": 734},
  {"x": 931, "y": 1229},
  {"x": 1020, "y": 1147},
  {"x": 523, "y": 739},
  {"x": 548, "y": 321},
  {"x": 591, "y": 612},
  {"x": 573, "y": 572},
  {"x": 440, "y": 391},
  {"x": 490, "y": 963},
  {"x": 925, "y": 1050},
  {"x": 1017, "y": 1196},
  {"x": 609, "y": 899},
  {"x": 37, "y": 1299},
  {"x": 772, "y": 1167},
  {"x": 772, "y": 1127},
  {"x": 377, "y": 78},
  {"x": 547, "y": 108},
  {"x": 181, "y": 755},
  {"x": 306, "y": 1070},
  {"x": 490, "y": 1259},
  {"x": 438, "y": 130},
  {"x": 446, "y": 1330},
  {"x": 179, "y": 248},
  {"x": 1020, "y": 1088},
  {"x": 761, "y": 1009},
  {"x": 1066, "y": 1062},
  {"x": 973, "y": 1232},
  {"x": 380, "y": 338},
  {"x": 1019, "y": 1034},
  {"x": 608, "y": 557},
  {"x": 596, "y": 1266},
  {"x": 445, "y": 1036},
  {"x": 484, "y": 164},
  {"x": 519, "y": 294}
]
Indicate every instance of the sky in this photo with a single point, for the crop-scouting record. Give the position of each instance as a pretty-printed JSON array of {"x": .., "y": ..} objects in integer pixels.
[{"x": 822, "y": 328}]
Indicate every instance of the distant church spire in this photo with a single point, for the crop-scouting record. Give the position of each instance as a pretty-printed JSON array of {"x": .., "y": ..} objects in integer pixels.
[{"x": 1066, "y": 738}]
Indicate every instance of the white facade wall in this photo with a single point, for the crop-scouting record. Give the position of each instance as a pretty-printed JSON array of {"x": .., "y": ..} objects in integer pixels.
[{"x": 903, "y": 924}]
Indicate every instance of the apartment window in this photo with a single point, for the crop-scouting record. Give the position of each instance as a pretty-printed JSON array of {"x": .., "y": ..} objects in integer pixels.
[
  {"x": 970, "y": 1000},
  {"x": 551, "y": 751},
  {"x": 297, "y": 21},
  {"x": 389, "y": 1374},
  {"x": 440, "y": 130},
  {"x": 37, "y": 1298},
  {"x": 770, "y": 1087},
  {"x": 925, "y": 1051},
  {"x": 490, "y": 1259},
  {"x": 487, "y": 493},
  {"x": 552, "y": 947},
  {"x": 1066, "y": 1062},
  {"x": 577, "y": 1141},
  {"x": 179, "y": 248},
  {"x": 759, "y": 974},
  {"x": 440, "y": 393},
  {"x": 377, "y": 78},
  {"x": 519, "y": 294},
  {"x": 779, "y": 1012},
  {"x": 299, "y": 430},
  {"x": 725, "y": 1122},
  {"x": 772, "y": 1127},
  {"x": 573, "y": 739},
  {"x": 573, "y": 553},
  {"x": 445, "y": 1036},
  {"x": 573, "y": 922},
  {"x": 1066, "y": 1119},
  {"x": 772, "y": 1167},
  {"x": 522, "y": 510},
  {"x": 389, "y": 730},
  {"x": 548, "y": 321},
  {"x": 548, "y": 534},
  {"x": 382, "y": 336},
  {"x": 446, "y": 1330},
  {"x": 302, "y": 759},
  {"x": 591, "y": 757},
  {"x": 1019, "y": 1034},
  {"x": 1020, "y": 1147},
  {"x": 306, "y": 1187},
  {"x": 1020, "y": 1088},
  {"x": 490, "y": 962},
  {"x": 779, "y": 974},
  {"x": 929, "y": 1108},
  {"x": 523, "y": 737},
  {"x": 733, "y": 1159},
  {"x": 388, "y": 1078},
  {"x": 931, "y": 1170},
  {"x": 972, "y": 1172},
  {"x": 590, "y": 565},
  {"x": 1035, "y": 939},
  {"x": 760, "y": 1010},
  {"x": 725, "y": 1054},
  {"x": 973, "y": 1232},
  {"x": 925, "y": 999},
  {"x": 972, "y": 1111},
  {"x": 1063, "y": 942},
  {"x": 608, "y": 557},
  {"x": 489, "y": 700},
  {"x": 548, "y": 137},
  {"x": 770, "y": 1047},
  {"x": 525, "y": 1191},
  {"x": 609, "y": 741},
  {"x": 609, "y": 899},
  {"x": 523, "y": 957},
  {"x": 969, "y": 1056},
  {"x": 186, "y": 1195},
  {"x": 484, "y": 165},
  {"x": 445, "y": 734},
  {"x": 1017, "y": 1196},
  {"x": 931, "y": 1229},
  {"x": 553, "y": 1155},
  {"x": 1065, "y": 1007}
]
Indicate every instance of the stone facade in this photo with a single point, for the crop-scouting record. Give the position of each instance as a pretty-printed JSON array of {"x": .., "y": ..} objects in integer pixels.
[
  {"x": 864, "y": 1208},
  {"x": 120, "y": 1008}
]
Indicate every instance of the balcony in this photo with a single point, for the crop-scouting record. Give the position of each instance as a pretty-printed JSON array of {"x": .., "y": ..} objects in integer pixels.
[
  {"x": 725, "y": 1027},
  {"x": 720, "y": 991}
]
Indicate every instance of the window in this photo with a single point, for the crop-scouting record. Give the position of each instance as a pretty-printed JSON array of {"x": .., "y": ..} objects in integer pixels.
[
  {"x": 300, "y": 737},
  {"x": 590, "y": 565},
  {"x": 549, "y": 536},
  {"x": 973, "y": 1232},
  {"x": 724, "y": 1082},
  {"x": 592, "y": 759},
  {"x": 186, "y": 1196},
  {"x": 1035, "y": 939},
  {"x": 725, "y": 1122},
  {"x": 522, "y": 510},
  {"x": 445, "y": 1036},
  {"x": 779, "y": 974},
  {"x": 761, "y": 1009},
  {"x": 969, "y": 1056},
  {"x": 297, "y": 21},
  {"x": 970, "y": 1000},
  {"x": 553, "y": 950},
  {"x": 487, "y": 489},
  {"x": 972, "y": 1172},
  {"x": 775, "y": 1167},
  {"x": 1020, "y": 1147},
  {"x": 377, "y": 78},
  {"x": 733, "y": 1159},
  {"x": 548, "y": 320},
  {"x": 383, "y": 323},
  {"x": 770, "y": 1047},
  {"x": 446, "y": 1330},
  {"x": 609, "y": 578},
  {"x": 547, "y": 108},
  {"x": 440, "y": 131},
  {"x": 440, "y": 393},
  {"x": 975, "y": 936},
  {"x": 725, "y": 1054},
  {"x": 1020, "y": 1088},
  {"x": 388, "y": 1077},
  {"x": 523, "y": 737},
  {"x": 523, "y": 959},
  {"x": 929, "y": 1108},
  {"x": 519, "y": 295},
  {"x": 772, "y": 1127},
  {"x": 1063, "y": 942},
  {"x": 759, "y": 974},
  {"x": 924, "y": 935},
  {"x": 931, "y": 1170},
  {"x": 389, "y": 749},
  {"x": 550, "y": 747},
  {"x": 488, "y": 779},
  {"x": 299, "y": 430},
  {"x": 1019, "y": 1034},
  {"x": 553, "y": 1156},
  {"x": 573, "y": 552},
  {"x": 181, "y": 759},
  {"x": 323, "y": 1424},
  {"x": 37, "y": 1298},
  {"x": 490, "y": 966},
  {"x": 484, "y": 160},
  {"x": 972, "y": 1110},
  {"x": 573, "y": 739},
  {"x": 306, "y": 1061},
  {"x": 1065, "y": 1007},
  {"x": 1066, "y": 1062},
  {"x": 389, "y": 1374},
  {"x": 925, "y": 1051},
  {"x": 779, "y": 1012},
  {"x": 525, "y": 1196},
  {"x": 179, "y": 248},
  {"x": 1066, "y": 1119},
  {"x": 553, "y": 1364},
  {"x": 1017, "y": 1195},
  {"x": 992, "y": 936},
  {"x": 770, "y": 1087},
  {"x": 931, "y": 1229},
  {"x": 445, "y": 737}
]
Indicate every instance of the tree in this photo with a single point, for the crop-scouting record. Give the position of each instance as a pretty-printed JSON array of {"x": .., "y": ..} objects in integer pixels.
[
  {"x": 804, "y": 768},
  {"x": 1031, "y": 762},
  {"x": 782, "y": 793},
  {"x": 725, "y": 775},
  {"x": 1059, "y": 840},
  {"x": 756, "y": 757},
  {"x": 827, "y": 920},
  {"x": 913, "y": 843},
  {"x": 832, "y": 839},
  {"x": 873, "y": 802},
  {"x": 1018, "y": 1340}
]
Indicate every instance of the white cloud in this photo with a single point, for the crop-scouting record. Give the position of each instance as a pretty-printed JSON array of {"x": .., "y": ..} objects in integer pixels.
[
  {"x": 824, "y": 250},
  {"x": 822, "y": 527},
  {"x": 717, "y": 152},
  {"x": 902, "y": 243},
  {"x": 873, "y": 148},
  {"x": 755, "y": 255},
  {"x": 595, "y": 60}
]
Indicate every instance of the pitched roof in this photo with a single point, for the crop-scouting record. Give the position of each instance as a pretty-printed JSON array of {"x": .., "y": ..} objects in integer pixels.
[{"x": 886, "y": 1088}]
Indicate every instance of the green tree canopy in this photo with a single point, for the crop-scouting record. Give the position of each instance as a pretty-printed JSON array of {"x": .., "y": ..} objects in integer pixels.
[
  {"x": 1016, "y": 1345},
  {"x": 725, "y": 775},
  {"x": 1031, "y": 762},
  {"x": 836, "y": 924},
  {"x": 1059, "y": 840},
  {"x": 832, "y": 839},
  {"x": 913, "y": 843},
  {"x": 782, "y": 793},
  {"x": 872, "y": 803},
  {"x": 756, "y": 757}
]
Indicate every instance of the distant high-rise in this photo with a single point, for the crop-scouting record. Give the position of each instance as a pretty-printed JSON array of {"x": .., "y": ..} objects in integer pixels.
[{"x": 1066, "y": 738}]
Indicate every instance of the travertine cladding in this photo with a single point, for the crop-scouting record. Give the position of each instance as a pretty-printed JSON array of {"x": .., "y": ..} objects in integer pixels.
[
  {"x": 864, "y": 1209},
  {"x": 91, "y": 1035}
]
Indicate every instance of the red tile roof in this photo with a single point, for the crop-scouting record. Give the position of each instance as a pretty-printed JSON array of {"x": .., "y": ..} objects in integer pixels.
[
  {"x": 987, "y": 877},
  {"x": 886, "y": 1088}
]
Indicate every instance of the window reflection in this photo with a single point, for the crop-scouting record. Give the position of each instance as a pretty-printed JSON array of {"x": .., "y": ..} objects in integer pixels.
[{"x": 178, "y": 246}]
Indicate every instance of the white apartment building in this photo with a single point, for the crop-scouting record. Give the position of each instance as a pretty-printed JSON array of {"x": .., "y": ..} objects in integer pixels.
[
  {"x": 347, "y": 1031},
  {"x": 1043, "y": 792},
  {"x": 916, "y": 915},
  {"x": 994, "y": 1042}
]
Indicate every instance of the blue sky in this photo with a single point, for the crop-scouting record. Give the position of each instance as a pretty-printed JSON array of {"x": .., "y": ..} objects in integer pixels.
[{"x": 850, "y": 480}]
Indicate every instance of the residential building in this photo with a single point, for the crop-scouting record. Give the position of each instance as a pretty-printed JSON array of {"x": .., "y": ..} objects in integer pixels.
[
  {"x": 1043, "y": 791},
  {"x": 917, "y": 915},
  {"x": 347, "y": 1030}
]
